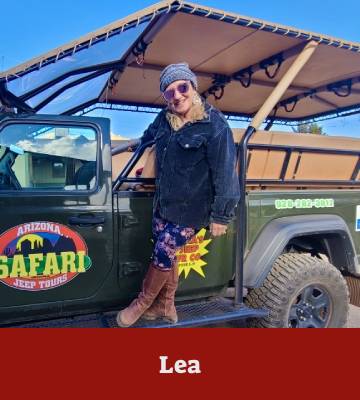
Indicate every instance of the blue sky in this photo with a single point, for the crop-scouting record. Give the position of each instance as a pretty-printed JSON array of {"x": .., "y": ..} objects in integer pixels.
[{"x": 32, "y": 27}]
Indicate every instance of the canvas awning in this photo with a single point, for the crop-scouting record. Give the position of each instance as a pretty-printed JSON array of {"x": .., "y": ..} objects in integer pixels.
[{"x": 238, "y": 61}]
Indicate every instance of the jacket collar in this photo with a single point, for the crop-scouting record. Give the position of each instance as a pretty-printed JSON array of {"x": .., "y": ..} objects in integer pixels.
[{"x": 208, "y": 108}]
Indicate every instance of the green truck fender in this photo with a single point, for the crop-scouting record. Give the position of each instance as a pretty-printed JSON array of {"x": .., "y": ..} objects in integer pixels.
[{"x": 272, "y": 241}]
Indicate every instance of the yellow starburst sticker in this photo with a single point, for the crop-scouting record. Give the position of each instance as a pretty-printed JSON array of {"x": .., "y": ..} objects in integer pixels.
[{"x": 189, "y": 256}]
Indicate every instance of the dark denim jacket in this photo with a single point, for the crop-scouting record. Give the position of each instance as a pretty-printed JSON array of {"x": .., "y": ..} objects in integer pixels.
[{"x": 196, "y": 180}]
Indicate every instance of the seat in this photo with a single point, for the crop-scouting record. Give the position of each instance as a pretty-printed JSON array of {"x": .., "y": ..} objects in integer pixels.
[{"x": 84, "y": 175}]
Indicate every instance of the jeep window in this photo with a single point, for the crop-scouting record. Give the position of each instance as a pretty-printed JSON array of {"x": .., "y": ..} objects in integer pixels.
[{"x": 47, "y": 157}]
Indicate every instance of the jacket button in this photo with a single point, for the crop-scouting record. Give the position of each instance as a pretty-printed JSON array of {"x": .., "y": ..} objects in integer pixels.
[{"x": 187, "y": 146}]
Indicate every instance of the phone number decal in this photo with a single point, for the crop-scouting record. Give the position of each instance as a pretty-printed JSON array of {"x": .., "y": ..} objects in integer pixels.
[{"x": 286, "y": 204}]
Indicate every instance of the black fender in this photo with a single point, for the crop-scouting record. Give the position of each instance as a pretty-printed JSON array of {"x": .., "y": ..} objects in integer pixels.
[{"x": 276, "y": 235}]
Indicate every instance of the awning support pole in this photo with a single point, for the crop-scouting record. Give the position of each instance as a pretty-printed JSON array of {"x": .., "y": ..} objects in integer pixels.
[
  {"x": 283, "y": 85},
  {"x": 260, "y": 117}
]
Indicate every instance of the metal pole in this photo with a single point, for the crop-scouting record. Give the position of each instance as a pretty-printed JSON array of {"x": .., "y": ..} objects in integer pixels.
[
  {"x": 284, "y": 83},
  {"x": 259, "y": 118},
  {"x": 241, "y": 218}
]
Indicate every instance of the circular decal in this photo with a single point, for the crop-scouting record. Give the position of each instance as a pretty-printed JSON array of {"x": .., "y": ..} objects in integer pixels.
[{"x": 41, "y": 255}]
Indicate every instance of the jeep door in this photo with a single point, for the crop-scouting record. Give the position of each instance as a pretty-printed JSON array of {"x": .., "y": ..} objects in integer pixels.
[{"x": 56, "y": 230}]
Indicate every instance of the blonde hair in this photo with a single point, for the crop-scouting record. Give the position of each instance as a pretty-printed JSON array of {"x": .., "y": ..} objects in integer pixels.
[{"x": 197, "y": 113}]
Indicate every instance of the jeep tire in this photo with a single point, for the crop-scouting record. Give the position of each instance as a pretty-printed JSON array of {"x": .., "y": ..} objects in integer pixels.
[{"x": 301, "y": 291}]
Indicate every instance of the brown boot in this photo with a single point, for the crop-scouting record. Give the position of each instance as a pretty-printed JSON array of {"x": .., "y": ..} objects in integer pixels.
[
  {"x": 164, "y": 306},
  {"x": 152, "y": 284}
]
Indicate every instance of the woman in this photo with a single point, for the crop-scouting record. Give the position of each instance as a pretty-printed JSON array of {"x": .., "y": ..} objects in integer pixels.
[{"x": 196, "y": 186}]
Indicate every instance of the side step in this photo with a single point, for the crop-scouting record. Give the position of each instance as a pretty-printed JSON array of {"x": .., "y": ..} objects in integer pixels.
[{"x": 202, "y": 313}]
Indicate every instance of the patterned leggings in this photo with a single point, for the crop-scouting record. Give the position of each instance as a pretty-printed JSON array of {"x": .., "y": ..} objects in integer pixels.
[{"x": 168, "y": 238}]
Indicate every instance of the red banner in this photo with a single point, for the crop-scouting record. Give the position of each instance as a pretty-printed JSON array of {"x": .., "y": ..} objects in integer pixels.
[{"x": 209, "y": 363}]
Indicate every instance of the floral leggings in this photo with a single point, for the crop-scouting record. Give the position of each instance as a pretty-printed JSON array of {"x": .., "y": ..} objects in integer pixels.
[{"x": 168, "y": 238}]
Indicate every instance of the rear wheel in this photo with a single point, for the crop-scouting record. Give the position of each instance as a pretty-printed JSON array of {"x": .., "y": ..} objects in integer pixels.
[{"x": 301, "y": 291}]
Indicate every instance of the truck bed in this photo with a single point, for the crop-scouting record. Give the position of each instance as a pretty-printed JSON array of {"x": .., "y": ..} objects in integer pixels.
[{"x": 279, "y": 160}]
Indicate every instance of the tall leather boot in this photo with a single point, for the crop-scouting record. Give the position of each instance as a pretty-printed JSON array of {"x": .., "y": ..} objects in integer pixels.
[
  {"x": 164, "y": 305},
  {"x": 152, "y": 284}
]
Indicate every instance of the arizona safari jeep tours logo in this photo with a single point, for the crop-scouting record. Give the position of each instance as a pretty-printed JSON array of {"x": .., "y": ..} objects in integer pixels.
[{"x": 41, "y": 255}]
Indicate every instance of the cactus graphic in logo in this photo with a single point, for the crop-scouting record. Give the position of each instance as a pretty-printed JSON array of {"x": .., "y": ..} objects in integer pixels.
[{"x": 41, "y": 255}]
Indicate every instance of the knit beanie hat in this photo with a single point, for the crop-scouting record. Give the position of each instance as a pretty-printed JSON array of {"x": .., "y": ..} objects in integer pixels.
[{"x": 176, "y": 72}]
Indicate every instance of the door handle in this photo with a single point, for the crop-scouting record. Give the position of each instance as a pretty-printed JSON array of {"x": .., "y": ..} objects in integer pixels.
[
  {"x": 129, "y": 221},
  {"x": 86, "y": 220},
  {"x": 131, "y": 268}
]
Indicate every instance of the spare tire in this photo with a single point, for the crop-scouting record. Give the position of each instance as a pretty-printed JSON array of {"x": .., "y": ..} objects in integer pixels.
[{"x": 301, "y": 291}]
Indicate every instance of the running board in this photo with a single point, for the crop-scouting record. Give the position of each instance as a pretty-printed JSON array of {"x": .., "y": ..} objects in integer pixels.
[
  {"x": 201, "y": 313},
  {"x": 204, "y": 313}
]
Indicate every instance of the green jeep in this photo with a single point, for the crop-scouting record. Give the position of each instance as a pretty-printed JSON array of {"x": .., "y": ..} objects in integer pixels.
[{"x": 75, "y": 237}]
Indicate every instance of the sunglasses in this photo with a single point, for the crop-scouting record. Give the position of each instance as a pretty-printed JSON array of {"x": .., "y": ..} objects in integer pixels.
[{"x": 182, "y": 88}]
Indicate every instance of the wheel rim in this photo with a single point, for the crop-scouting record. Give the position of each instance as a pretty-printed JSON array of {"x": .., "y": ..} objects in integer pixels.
[{"x": 311, "y": 308}]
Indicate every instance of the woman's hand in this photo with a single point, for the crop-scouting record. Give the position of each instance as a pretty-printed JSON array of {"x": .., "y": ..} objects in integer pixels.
[{"x": 217, "y": 229}]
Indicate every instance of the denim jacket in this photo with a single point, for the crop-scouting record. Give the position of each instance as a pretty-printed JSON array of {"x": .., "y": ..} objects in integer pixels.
[{"x": 196, "y": 180}]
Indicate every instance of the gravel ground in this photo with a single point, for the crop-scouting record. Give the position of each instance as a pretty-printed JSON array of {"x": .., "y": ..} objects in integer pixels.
[{"x": 354, "y": 317}]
